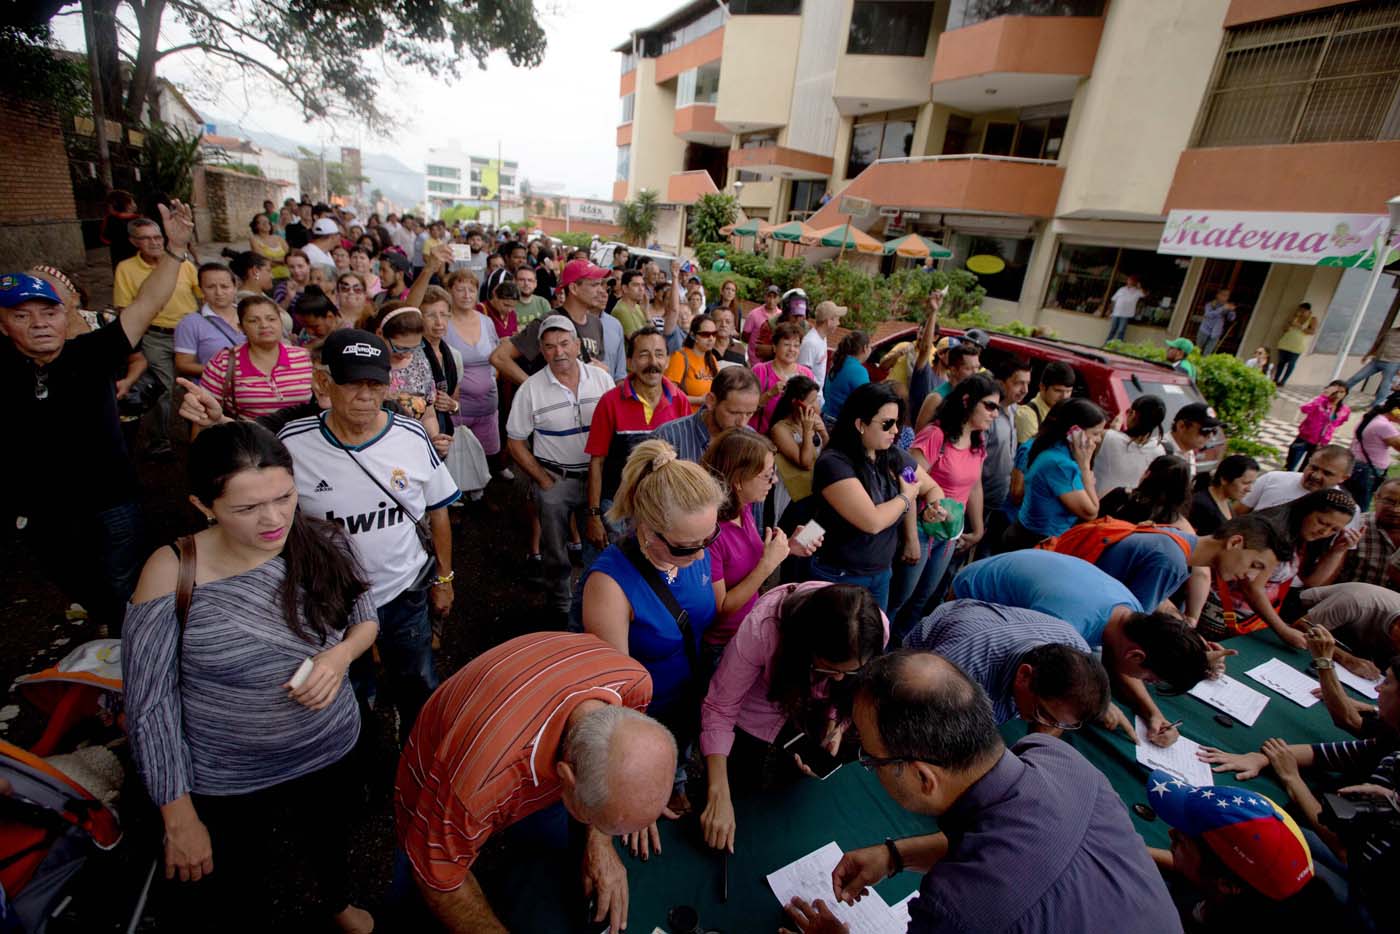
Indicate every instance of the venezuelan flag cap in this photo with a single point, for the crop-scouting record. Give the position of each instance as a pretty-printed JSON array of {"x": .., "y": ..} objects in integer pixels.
[{"x": 1251, "y": 835}]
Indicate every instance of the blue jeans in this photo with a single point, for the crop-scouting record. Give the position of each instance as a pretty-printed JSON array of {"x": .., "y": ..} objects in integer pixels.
[
  {"x": 1209, "y": 342},
  {"x": 406, "y": 648},
  {"x": 1287, "y": 359},
  {"x": 1298, "y": 452},
  {"x": 878, "y": 584},
  {"x": 925, "y": 587},
  {"x": 1118, "y": 329},
  {"x": 1386, "y": 368}
]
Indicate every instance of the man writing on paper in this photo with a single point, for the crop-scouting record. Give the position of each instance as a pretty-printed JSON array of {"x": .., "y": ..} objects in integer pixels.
[{"x": 1035, "y": 839}]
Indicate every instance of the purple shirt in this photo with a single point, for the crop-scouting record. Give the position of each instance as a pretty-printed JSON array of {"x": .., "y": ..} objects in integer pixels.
[
  {"x": 1042, "y": 842},
  {"x": 476, "y": 390},
  {"x": 733, "y": 556},
  {"x": 738, "y": 695},
  {"x": 205, "y": 334}
]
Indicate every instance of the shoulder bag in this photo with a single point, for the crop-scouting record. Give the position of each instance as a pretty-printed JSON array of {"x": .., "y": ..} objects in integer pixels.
[
  {"x": 685, "y": 717},
  {"x": 184, "y": 592}
]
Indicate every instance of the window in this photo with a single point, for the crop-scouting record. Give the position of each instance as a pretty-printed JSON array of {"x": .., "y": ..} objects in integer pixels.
[
  {"x": 507, "y": 181},
  {"x": 629, "y": 103},
  {"x": 629, "y": 62},
  {"x": 698, "y": 86},
  {"x": 970, "y": 12},
  {"x": 624, "y": 162},
  {"x": 889, "y": 27},
  {"x": 476, "y": 175},
  {"x": 1038, "y": 134},
  {"x": 880, "y": 136},
  {"x": 444, "y": 171},
  {"x": 781, "y": 7},
  {"x": 1328, "y": 76},
  {"x": 806, "y": 196},
  {"x": 694, "y": 29},
  {"x": 756, "y": 141},
  {"x": 444, "y": 188},
  {"x": 1084, "y": 279},
  {"x": 1015, "y": 253}
]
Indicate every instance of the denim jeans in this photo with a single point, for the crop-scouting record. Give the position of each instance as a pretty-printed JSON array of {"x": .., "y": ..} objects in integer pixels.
[
  {"x": 1362, "y": 484},
  {"x": 1287, "y": 359},
  {"x": 159, "y": 351},
  {"x": 589, "y": 555},
  {"x": 1298, "y": 452},
  {"x": 1118, "y": 329},
  {"x": 406, "y": 648},
  {"x": 565, "y": 498},
  {"x": 878, "y": 584},
  {"x": 1209, "y": 342},
  {"x": 1386, "y": 368},
  {"x": 925, "y": 588}
]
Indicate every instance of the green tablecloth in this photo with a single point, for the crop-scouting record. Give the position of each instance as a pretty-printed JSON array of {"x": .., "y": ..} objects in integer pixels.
[{"x": 851, "y": 808}]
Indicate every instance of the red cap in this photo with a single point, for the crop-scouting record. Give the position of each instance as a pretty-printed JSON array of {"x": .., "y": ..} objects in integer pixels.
[{"x": 578, "y": 269}]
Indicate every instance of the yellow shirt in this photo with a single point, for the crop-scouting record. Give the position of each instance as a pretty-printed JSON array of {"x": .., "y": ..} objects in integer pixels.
[
  {"x": 131, "y": 273},
  {"x": 1029, "y": 415}
]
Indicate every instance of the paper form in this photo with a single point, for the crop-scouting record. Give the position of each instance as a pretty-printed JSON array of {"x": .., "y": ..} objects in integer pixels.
[
  {"x": 1178, "y": 759},
  {"x": 1286, "y": 680},
  {"x": 1235, "y": 698},
  {"x": 1357, "y": 683},
  {"x": 809, "y": 878},
  {"x": 900, "y": 910}
]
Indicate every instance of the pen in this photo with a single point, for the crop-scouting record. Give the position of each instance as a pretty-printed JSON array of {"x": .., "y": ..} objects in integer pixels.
[
  {"x": 1170, "y": 726},
  {"x": 724, "y": 883}
]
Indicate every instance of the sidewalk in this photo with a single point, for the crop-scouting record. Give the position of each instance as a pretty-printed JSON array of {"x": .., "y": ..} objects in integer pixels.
[{"x": 1280, "y": 427}]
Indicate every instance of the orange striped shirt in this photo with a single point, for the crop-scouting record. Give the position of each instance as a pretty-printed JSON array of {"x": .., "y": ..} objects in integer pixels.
[{"x": 482, "y": 753}]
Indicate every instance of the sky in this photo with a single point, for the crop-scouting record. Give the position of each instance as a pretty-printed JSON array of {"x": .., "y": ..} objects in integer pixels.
[{"x": 559, "y": 120}]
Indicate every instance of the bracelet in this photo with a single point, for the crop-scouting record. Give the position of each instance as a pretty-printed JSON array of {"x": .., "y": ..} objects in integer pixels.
[
  {"x": 896, "y": 861},
  {"x": 595, "y": 511},
  {"x": 444, "y": 578},
  {"x": 908, "y": 503}
]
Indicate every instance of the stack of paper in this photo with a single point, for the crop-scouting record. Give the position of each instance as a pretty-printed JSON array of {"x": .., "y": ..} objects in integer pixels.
[
  {"x": 1357, "y": 683},
  {"x": 1286, "y": 680},
  {"x": 809, "y": 878},
  {"x": 1238, "y": 700},
  {"x": 1179, "y": 759}
]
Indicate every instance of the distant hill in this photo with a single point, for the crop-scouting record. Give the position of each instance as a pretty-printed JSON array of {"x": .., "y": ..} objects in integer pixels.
[{"x": 400, "y": 183}]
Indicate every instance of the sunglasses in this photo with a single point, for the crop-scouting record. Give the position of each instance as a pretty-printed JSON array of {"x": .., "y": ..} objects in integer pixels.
[
  {"x": 685, "y": 551},
  {"x": 402, "y": 350},
  {"x": 989, "y": 405},
  {"x": 699, "y": 334},
  {"x": 888, "y": 424}
]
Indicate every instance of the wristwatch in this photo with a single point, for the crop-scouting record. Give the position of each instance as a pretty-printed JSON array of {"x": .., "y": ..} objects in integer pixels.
[
  {"x": 595, "y": 511},
  {"x": 1324, "y": 664},
  {"x": 896, "y": 861}
]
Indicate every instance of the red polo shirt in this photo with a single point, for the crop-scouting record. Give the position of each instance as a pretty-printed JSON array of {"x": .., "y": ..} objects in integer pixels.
[{"x": 620, "y": 423}]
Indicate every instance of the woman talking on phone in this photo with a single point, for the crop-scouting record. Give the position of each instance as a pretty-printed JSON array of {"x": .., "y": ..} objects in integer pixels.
[
  {"x": 1054, "y": 474},
  {"x": 239, "y": 741}
]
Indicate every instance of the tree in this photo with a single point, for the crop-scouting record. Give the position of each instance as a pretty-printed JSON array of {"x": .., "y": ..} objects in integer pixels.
[
  {"x": 338, "y": 181},
  {"x": 316, "y": 53},
  {"x": 539, "y": 205},
  {"x": 709, "y": 214},
  {"x": 375, "y": 196},
  {"x": 637, "y": 218}
]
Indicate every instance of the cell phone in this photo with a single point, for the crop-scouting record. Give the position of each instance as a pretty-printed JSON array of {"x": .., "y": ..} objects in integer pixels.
[
  {"x": 810, "y": 533},
  {"x": 1075, "y": 431},
  {"x": 461, "y": 253},
  {"x": 821, "y": 762}
]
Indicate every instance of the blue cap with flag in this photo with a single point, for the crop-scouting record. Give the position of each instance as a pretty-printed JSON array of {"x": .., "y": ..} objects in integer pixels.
[{"x": 16, "y": 287}]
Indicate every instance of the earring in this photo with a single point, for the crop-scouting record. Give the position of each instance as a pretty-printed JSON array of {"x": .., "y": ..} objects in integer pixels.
[{"x": 211, "y": 520}]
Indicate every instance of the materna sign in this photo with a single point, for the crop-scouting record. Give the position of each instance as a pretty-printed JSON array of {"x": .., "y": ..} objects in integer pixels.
[{"x": 1345, "y": 240}]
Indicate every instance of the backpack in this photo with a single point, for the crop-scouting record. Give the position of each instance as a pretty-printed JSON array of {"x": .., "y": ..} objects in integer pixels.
[{"x": 1088, "y": 540}]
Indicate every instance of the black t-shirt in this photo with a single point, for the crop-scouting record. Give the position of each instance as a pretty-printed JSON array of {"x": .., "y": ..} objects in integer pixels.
[
  {"x": 1205, "y": 516},
  {"x": 70, "y": 456},
  {"x": 527, "y": 341},
  {"x": 845, "y": 547}
]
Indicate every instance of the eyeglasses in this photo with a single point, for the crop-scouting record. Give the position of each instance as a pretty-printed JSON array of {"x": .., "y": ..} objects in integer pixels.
[
  {"x": 871, "y": 763},
  {"x": 1044, "y": 718},
  {"x": 843, "y": 672},
  {"x": 352, "y": 289},
  {"x": 685, "y": 551},
  {"x": 888, "y": 423},
  {"x": 989, "y": 405}
]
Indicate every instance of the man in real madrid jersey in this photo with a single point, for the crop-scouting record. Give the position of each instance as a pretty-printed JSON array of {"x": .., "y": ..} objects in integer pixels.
[{"x": 376, "y": 475}]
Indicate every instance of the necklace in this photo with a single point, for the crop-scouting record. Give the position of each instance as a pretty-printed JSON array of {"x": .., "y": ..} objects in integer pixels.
[{"x": 671, "y": 574}]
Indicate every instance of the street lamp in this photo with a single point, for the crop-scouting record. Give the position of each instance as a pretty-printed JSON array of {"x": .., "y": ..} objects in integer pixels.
[{"x": 1380, "y": 251}]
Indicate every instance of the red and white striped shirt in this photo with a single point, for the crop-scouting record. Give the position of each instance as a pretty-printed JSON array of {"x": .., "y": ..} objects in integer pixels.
[
  {"x": 482, "y": 754},
  {"x": 256, "y": 393}
]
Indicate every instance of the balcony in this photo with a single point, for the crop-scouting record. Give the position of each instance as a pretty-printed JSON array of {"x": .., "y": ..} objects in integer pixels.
[
  {"x": 755, "y": 84},
  {"x": 624, "y": 134},
  {"x": 976, "y": 184},
  {"x": 619, "y": 192},
  {"x": 687, "y": 187},
  {"x": 780, "y": 162},
  {"x": 696, "y": 123},
  {"x": 1014, "y": 61},
  {"x": 872, "y": 83},
  {"x": 1341, "y": 177},
  {"x": 708, "y": 48}
]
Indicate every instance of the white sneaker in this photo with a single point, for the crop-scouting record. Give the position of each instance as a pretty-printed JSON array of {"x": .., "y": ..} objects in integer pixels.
[{"x": 506, "y": 474}]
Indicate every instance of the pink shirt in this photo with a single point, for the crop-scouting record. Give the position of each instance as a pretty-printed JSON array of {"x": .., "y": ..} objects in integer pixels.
[
  {"x": 1371, "y": 446},
  {"x": 733, "y": 556},
  {"x": 756, "y": 319},
  {"x": 767, "y": 379},
  {"x": 257, "y": 393},
  {"x": 1319, "y": 422},
  {"x": 738, "y": 695},
  {"x": 956, "y": 470}
]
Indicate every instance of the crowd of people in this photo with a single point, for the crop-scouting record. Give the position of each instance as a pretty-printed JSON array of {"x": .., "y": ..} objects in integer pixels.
[{"x": 742, "y": 540}]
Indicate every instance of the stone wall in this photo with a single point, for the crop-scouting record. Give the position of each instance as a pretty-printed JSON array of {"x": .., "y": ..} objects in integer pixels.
[
  {"x": 232, "y": 199},
  {"x": 38, "y": 216}
]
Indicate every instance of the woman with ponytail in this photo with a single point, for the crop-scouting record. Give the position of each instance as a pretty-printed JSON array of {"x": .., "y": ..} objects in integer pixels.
[
  {"x": 239, "y": 708},
  {"x": 672, "y": 507}
]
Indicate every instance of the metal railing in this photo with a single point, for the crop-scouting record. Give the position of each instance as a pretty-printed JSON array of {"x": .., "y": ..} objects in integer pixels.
[
  {"x": 965, "y": 156},
  {"x": 971, "y": 12},
  {"x": 1325, "y": 77}
]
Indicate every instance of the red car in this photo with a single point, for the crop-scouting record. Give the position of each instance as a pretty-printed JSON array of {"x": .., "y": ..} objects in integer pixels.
[{"x": 1112, "y": 380}]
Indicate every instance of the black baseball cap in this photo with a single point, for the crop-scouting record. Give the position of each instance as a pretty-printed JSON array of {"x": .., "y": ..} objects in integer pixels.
[
  {"x": 352, "y": 354},
  {"x": 1200, "y": 413}
]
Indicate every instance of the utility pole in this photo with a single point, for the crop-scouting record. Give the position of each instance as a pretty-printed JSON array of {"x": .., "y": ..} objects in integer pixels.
[
  {"x": 99, "y": 113},
  {"x": 500, "y": 167}
]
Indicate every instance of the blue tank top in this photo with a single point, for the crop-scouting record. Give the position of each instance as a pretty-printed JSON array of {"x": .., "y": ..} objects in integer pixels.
[{"x": 653, "y": 638}]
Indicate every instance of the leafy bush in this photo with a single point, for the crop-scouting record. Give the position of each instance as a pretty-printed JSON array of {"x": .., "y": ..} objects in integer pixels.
[
  {"x": 576, "y": 240},
  {"x": 1240, "y": 395},
  {"x": 1014, "y": 328},
  {"x": 170, "y": 156},
  {"x": 637, "y": 217},
  {"x": 1254, "y": 449},
  {"x": 1154, "y": 352},
  {"x": 709, "y": 214},
  {"x": 749, "y": 289}
]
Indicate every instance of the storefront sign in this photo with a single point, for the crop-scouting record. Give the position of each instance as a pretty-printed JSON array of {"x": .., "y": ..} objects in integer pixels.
[
  {"x": 585, "y": 210},
  {"x": 1345, "y": 240}
]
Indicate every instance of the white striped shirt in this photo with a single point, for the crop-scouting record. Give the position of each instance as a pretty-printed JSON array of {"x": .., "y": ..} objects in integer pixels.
[{"x": 556, "y": 416}]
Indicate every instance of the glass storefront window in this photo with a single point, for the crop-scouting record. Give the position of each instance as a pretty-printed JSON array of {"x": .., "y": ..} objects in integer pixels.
[
  {"x": 1014, "y": 252},
  {"x": 1085, "y": 277}
]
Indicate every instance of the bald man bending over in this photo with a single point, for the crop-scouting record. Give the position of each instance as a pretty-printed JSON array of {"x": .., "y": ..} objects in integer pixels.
[{"x": 543, "y": 719}]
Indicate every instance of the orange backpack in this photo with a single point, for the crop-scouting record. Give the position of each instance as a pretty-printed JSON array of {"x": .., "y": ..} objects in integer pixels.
[{"x": 1089, "y": 539}]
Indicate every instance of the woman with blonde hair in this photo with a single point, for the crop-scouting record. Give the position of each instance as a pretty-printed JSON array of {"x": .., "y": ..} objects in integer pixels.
[
  {"x": 352, "y": 298},
  {"x": 650, "y": 595}
]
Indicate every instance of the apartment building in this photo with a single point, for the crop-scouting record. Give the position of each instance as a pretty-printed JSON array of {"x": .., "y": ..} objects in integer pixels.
[
  {"x": 1199, "y": 144},
  {"x": 452, "y": 176}
]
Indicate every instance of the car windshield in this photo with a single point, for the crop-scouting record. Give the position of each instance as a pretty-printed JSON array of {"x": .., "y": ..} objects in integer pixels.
[{"x": 1175, "y": 395}]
